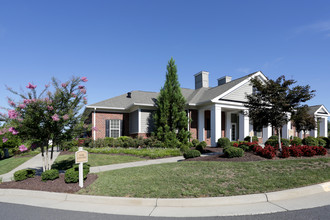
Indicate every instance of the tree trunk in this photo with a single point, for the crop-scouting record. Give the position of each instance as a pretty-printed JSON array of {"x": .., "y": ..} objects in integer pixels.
[
  {"x": 279, "y": 139},
  {"x": 43, "y": 158}
]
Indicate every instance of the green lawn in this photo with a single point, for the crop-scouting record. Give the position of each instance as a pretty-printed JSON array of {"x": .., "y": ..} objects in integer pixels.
[
  {"x": 11, "y": 163},
  {"x": 64, "y": 162},
  {"x": 210, "y": 179}
]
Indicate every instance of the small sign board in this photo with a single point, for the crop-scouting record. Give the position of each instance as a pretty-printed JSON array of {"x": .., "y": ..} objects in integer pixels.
[{"x": 81, "y": 156}]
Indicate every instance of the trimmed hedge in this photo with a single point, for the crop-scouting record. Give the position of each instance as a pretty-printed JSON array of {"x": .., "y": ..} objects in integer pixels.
[
  {"x": 72, "y": 174},
  {"x": 231, "y": 152},
  {"x": 296, "y": 141},
  {"x": 50, "y": 175},
  {"x": 24, "y": 174},
  {"x": 223, "y": 142},
  {"x": 310, "y": 141},
  {"x": 191, "y": 154}
]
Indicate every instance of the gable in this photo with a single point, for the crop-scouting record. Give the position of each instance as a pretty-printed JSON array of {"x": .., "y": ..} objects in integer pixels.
[{"x": 240, "y": 93}]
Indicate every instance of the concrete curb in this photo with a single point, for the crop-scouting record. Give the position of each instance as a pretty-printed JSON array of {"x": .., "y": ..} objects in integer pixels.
[{"x": 159, "y": 202}]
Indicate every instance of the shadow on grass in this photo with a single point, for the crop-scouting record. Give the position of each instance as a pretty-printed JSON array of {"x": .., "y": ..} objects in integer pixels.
[{"x": 64, "y": 164}]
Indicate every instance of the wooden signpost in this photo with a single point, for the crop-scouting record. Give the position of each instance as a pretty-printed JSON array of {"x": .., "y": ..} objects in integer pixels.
[{"x": 81, "y": 158}]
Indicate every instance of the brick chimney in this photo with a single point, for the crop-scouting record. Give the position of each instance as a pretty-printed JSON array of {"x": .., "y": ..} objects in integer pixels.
[{"x": 224, "y": 80}]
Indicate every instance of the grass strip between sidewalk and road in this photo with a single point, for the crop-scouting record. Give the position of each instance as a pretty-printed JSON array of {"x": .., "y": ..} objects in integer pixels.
[
  {"x": 8, "y": 164},
  {"x": 151, "y": 153},
  {"x": 64, "y": 162},
  {"x": 210, "y": 179}
]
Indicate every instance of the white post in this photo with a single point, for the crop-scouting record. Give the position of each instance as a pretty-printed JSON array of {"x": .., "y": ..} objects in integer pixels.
[
  {"x": 313, "y": 132},
  {"x": 81, "y": 175},
  {"x": 215, "y": 124},
  {"x": 201, "y": 124}
]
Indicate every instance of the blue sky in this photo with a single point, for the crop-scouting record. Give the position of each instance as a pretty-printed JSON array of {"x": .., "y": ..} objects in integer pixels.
[{"x": 125, "y": 45}]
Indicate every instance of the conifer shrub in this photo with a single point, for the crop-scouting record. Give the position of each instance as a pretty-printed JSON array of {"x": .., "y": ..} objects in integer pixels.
[
  {"x": 231, "y": 152},
  {"x": 24, "y": 174},
  {"x": 195, "y": 142},
  {"x": 223, "y": 142},
  {"x": 191, "y": 154},
  {"x": 50, "y": 175}
]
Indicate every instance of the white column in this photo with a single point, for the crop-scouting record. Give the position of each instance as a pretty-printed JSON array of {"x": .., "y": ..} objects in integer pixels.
[
  {"x": 215, "y": 124},
  {"x": 266, "y": 133},
  {"x": 244, "y": 126},
  {"x": 285, "y": 130},
  {"x": 201, "y": 125},
  {"x": 313, "y": 132},
  {"x": 139, "y": 121},
  {"x": 228, "y": 125},
  {"x": 323, "y": 127},
  {"x": 301, "y": 134}
]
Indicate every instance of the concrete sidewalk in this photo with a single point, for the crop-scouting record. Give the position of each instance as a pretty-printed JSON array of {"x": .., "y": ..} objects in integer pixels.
[
  {"x": 34, "y": 163},
  {"x": 135, "y": 164},
  {"x": 287, "y": 200}
]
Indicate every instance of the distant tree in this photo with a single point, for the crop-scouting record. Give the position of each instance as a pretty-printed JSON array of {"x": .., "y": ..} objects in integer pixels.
[
  {"x": 302, "y": 120},
  {"x": 274, "y": 101},
  {"x": 170, "y": 119}
]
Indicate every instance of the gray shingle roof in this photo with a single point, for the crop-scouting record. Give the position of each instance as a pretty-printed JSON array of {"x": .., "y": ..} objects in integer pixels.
[{"x": 148, "y": 98}]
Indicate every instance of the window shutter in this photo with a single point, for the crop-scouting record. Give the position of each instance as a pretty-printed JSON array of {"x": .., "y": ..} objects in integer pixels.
[{"x": 107, "y": 126}]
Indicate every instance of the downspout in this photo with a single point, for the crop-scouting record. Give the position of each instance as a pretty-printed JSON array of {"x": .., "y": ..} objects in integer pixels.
[{"x": 94, "y": 124}]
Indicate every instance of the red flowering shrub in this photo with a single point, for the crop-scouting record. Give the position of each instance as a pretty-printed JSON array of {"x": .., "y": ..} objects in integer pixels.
[
  {"x": 296, "y": 151},
  {"x": 257, "y": 149},
  {"x": 308, "y": 151},
  {"x": 268, "y": 152},
  {"x": 285, "y": 152},
  {"x": 320, "y": 150}
]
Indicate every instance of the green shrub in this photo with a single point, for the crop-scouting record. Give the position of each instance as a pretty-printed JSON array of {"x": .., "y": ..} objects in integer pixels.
[
  {"x": 231, "y": 152},
  {"x": 50, "y": 175},
  {"x": 24, "y": 174},
  {"x": 201, "y": 146},
  {"x": 185, "y": 147},
  {"x": 223, "y": 142},
  {"x": 109, "y": 141},
  {"x": 254, "y": 139},
  {"x": 321, "y": 142},
  {"x": 296, "y": 141},
  {"x": 72, "y": 174},
  {"x": 273, "y": 141},
  {"x": 310, "y": 141},
  {"x": 195, "y": 142},
  {"x": 244, "y": 147},
  {"x": 191, "y": 154},
  {"x": 327, "y": 140}
]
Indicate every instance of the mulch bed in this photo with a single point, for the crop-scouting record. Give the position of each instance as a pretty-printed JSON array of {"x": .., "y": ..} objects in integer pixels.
[{"x": 57, "y": 185}]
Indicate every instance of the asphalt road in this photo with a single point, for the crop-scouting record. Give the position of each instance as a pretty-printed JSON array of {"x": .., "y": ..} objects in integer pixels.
[{"x": 14, "y": 211}]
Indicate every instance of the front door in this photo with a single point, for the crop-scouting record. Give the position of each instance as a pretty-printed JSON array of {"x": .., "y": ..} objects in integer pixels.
[{"x": 233, "y": 131}]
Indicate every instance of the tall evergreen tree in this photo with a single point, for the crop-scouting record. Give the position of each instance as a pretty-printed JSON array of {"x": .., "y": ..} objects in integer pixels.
[{"x": 171, "y": 121}]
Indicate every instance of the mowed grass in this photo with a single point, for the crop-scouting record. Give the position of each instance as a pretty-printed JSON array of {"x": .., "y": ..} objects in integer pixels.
[
  {"x": 64, "y": 162},
  {"x": 210, "y": 179},
  {"x": 6, "y": 165}
]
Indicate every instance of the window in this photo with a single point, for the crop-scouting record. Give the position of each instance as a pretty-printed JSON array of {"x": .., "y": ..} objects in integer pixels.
[{"x": 113, "y": 128}]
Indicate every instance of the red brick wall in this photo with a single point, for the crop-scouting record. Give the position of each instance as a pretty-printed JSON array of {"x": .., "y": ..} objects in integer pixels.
[{"x": 100, "y": 122}]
